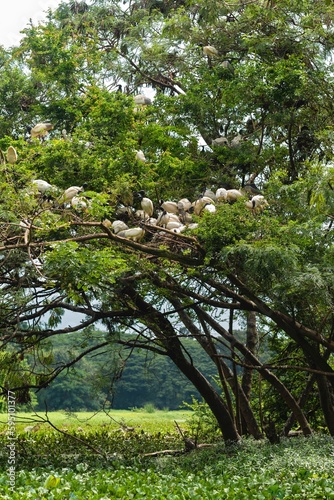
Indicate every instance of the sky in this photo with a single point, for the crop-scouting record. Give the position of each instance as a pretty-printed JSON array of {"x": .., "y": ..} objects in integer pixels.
[{"x": 15, "y": 16}]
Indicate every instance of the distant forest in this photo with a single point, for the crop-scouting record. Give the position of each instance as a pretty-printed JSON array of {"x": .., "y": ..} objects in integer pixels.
[{"x": 118, "y": 380}]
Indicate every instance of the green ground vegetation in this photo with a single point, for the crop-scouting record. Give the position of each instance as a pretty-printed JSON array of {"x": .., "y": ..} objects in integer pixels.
[{"x": 55, "y": 466}]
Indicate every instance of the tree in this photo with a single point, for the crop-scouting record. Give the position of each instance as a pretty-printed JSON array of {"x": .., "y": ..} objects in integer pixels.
[{"x": 268, "y": 94}]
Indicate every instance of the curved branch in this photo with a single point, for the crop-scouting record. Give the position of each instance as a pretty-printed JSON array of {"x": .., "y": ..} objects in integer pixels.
[{"x": 107, "y": 234}]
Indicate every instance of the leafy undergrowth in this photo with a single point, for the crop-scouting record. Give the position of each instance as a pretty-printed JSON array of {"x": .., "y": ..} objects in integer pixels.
[{"x": 297, "y": 468}]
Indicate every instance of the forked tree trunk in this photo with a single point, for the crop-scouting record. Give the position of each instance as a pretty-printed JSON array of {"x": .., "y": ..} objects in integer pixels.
[
  {"x": 266, "y": 374},
  {"x": 164, "y": 331},
  {"x": 210, "y": 396},
  {"x": 243, "y": 402}
]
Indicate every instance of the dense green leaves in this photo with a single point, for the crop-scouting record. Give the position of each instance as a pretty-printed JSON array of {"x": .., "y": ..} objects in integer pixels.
[{"x": 292, "y": 469}]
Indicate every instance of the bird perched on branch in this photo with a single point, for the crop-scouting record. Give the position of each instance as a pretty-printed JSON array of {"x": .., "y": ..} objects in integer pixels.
[
  {"x": 119, "y": 225},
  {"x": 11, "y": 155},
  {"x": 220, "y": 141},
  {"x": 41, "y": 186},
  {"x": 70, "y": 192},
  {"x": 163, "y": 219},
  {"x": 140, "y": 156},
  {"x": 40, "y": 130},
  {"x": 200, "y": 203},
  {"x": 209, "y": 194},
  {"x": 257, "y": 204},
  {"x": 233, "y": 195},
  {"x": 142, "y": 100},
  {"x": 133, "y": 233},
  {"x": 146, "y": 204},
  {"x": 209, "y": 50},
  {"x": 169, "y": 206},
  {"x": 184, "y": 204},
  {"x": 235, "y": 142},
  {"x": 221, "y": 194},
  {"x": 80, "y": 203}
]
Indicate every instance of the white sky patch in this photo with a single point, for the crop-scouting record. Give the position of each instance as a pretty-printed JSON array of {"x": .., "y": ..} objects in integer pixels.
[{"x": 16, "y": 14}]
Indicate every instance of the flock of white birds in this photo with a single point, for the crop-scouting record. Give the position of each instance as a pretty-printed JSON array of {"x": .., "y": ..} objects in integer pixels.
[
  {"x": 174, "y": 216},
  {"x": 179, "y": 216}
]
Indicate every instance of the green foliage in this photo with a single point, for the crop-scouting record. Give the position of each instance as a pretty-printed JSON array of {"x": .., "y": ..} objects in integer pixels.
[
  {"x": 202, "y": 424},
  {"x": 293, "y": 469},
  {"x": 271, "y": 82}
]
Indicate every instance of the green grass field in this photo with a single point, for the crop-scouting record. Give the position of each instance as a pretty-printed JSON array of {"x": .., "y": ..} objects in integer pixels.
[
  {"x": 99, "y": 459},
  {"x": 149, "y": 421}
]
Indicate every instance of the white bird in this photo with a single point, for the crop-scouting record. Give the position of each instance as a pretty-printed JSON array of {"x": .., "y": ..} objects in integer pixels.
[
  {"x": 146, "y": 204},
  {"x": 140, "y": 156},
  {"x": 142, "y": 100},
  {"x": 236, "y": 141},
  {"x": 210, "y": 51},
  {"x": 64, "y": 134},
  {"x": 227, "y": 65},
  {"x": 169, "y": 206},
  {"x": 42, "y": 186},
  {"x": 11, "y": 155},
  {"x": 209, "y": 208},
  {"x": 119, "y": 225},
  {"x": 233, "y": 195},
  {"x": 152, "y": 221},
  {"x": 40, "y": 130},
  {"x": 200, "y": 203},
  {"x": 221, "y": 194},
  {"x": 220, "y": 141},
  {"x": 257, "y": 204},
  {"x": 174, "y": 217},
  {"x": 184, "y": 204},
  {"x": 210, "y": 194},
  {"x": 79, "y": 203},
  {"x": 173, "y": 224},
  {"x": 124, "y": 211},
  {"x": 179, "y": 229},
  {"x": 185, "y": 217},
  {"x": 163, "y": 219},
  {"x": 134, "y": 233},
  {"x": 70, "y": 192}
]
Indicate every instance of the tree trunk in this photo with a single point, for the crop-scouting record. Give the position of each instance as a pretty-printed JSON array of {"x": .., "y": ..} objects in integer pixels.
[
  {"x": 251, "y": 341},
  {"x": 326, "y": 397},
  {"x": 245, "y": 408},
  {"x": 210, "y": 396},
  {"x": 266, "y": 374},
  {"x": 164, "y": 331}
]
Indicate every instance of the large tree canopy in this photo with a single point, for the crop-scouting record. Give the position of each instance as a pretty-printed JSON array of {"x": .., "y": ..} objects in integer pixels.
[{"x": 237, "y": 93}]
